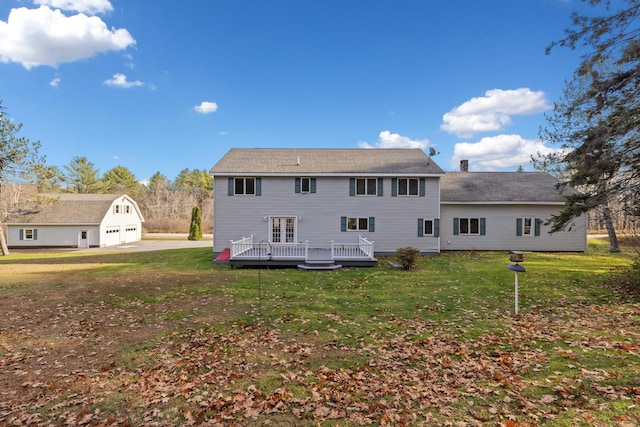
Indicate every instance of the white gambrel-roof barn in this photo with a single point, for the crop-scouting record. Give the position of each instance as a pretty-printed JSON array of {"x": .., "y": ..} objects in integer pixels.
[{"x": 79, "y": 220}]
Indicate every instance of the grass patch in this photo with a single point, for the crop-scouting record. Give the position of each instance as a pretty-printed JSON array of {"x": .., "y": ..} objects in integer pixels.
[{"x": 169, "y": 337}]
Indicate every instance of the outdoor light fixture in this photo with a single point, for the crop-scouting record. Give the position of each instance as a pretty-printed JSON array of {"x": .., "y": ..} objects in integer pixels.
[{"x": 516, "y": 257}]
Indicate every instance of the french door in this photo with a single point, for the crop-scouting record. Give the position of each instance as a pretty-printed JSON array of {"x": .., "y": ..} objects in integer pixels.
[{"x": 283, "y": 229}]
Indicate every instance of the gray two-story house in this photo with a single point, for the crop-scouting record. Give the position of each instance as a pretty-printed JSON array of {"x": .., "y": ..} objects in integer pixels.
[{"x": 344, "y": 206}]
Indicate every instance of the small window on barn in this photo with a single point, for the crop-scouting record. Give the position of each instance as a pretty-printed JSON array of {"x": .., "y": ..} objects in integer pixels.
[
  {"x": 127, "y": 208},
  {"x": 116, "y": 209}
]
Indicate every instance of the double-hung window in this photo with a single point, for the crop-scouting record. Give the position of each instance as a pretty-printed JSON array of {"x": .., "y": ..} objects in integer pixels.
[
  {"x": 428, "y": 227},
  {"x": 305, "y": 184},
  {"x": 366, "y": 186},
  {"x": 28, "y": 234},
  {"x": 245, "y": 186},
  {"x": 469, "y": 226},
  {"x": 408, "y": 186},
  {"x": 528, "y": 226},
  {"x": 358, "y": 224}
]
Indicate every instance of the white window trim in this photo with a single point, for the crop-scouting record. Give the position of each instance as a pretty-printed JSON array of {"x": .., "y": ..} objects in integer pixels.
[
  {"x": 424, "y": 227},
  {"x": 308, "y": 180},
  {"x": 417, "y": 180},
  {"x": 357, "y": 219},
  {"x": 532, "y": 222},
  {"x": 244, "y": 186},
  {"x": 366, "y": 187},
  {"x": 28, "y": 230},
  {"x": 469, "y": 233}
]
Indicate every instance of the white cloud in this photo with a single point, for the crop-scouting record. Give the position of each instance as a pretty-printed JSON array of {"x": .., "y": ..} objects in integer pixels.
[
  {"x": 493, "y": 111},
  {"x": 120, "y": 80},
  {"x": 34, "y": 37},
  {"x": 223, "y": 133},
  {"x": 498, "y": 152},
  {"x": 55, "y": 82},
  {"x": 92, "y": 7},
  {"x": 387, "y": 139},
  {"x": 206, "y": 107}
]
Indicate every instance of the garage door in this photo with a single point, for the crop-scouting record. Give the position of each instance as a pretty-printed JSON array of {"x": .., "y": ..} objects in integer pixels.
[
  {"x": 113, "y": 236},
  {"x": 130, "y": 233}
]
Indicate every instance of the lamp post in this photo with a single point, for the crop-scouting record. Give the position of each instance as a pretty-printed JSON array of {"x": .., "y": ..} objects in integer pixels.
[{"x": 516, "y": 257}]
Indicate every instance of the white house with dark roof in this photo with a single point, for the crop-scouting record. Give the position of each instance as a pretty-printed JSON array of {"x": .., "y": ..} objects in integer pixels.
[
  {"x": 78, "y": 221},
  {"x": 304, "y": 201}
]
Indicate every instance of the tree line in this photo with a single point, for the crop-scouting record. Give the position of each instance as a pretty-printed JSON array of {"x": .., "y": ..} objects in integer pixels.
[{"x": 166, "y": 205}]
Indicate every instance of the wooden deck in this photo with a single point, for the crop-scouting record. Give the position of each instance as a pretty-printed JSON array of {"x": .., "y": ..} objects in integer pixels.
[{"x": 317, "y": 259}]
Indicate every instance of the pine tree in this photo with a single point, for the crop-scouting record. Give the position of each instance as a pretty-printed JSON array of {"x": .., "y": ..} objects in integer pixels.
[{"x": 195, "y": 229}]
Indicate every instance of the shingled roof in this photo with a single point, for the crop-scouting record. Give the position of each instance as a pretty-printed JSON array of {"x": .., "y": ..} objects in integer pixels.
[
  {"x": 72, "y": 209},
  {"x": 328, "y": 161},
  {"x": 473, "y": 187}
]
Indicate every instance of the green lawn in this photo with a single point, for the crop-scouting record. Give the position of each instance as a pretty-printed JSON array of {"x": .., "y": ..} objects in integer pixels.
[{"x": 169, "y": 338}]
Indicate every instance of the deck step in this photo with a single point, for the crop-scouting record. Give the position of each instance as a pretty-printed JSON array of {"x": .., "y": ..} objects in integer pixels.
[{"x": 319, "y": 265}]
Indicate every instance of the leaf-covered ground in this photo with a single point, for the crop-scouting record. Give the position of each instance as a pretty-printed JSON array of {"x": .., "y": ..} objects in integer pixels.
[{"x": 106, "y": 354}]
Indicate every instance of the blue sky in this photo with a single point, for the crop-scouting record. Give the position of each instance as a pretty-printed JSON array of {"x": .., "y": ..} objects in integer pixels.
[{"x": 167, "y": 85}]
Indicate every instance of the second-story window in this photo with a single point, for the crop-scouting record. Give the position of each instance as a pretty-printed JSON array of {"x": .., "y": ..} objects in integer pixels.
[
  {"x": 408, "y": 186},
  {"x": 366, "y": 186},
  {"x": 305, "y": 184},
  {"x": 245, "y": 186}
]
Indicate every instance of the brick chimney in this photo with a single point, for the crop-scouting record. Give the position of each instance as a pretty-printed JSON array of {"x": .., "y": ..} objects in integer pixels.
[{"x": 464, "y": 165}]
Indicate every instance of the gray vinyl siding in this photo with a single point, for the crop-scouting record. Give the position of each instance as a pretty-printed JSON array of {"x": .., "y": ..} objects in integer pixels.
[
  {"x": 500, "y": 221},
  {"x": 319, "y": 214},
  {"x": 52, "y": 235}
]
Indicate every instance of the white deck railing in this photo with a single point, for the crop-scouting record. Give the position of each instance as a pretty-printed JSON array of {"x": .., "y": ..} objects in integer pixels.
[
  {"x": 363, "y": 249},
  {"x": 241, "y": 246},
  {"x": 247, "y": 248},
  {"x": 289, "y": 250}
]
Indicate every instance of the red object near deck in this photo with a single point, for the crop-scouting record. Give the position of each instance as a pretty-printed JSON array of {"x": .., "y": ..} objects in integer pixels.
[{"x": 225, "y": 255}]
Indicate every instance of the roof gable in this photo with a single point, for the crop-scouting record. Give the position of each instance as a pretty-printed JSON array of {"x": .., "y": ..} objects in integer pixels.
[
  {"x": 328, "y": 161},
  {"x": 526, "y": 187}
]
